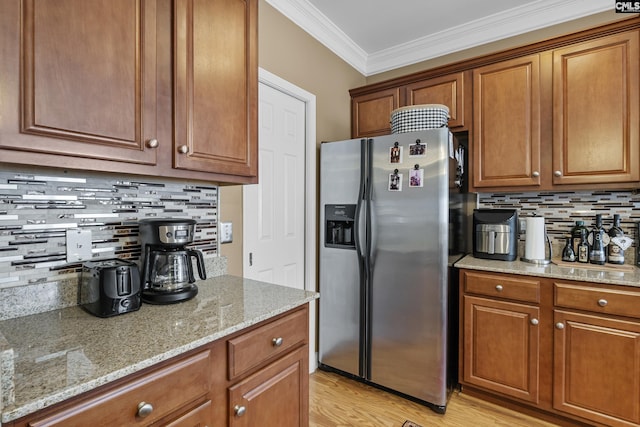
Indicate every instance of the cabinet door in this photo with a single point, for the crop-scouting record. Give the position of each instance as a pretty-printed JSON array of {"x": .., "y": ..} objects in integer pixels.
[
  {"x": 216, "y": 86},
  {"x": 274, "y": 396},
  {"x": 596, "y": 111},
  {"x": 446, "y": 90},
  {"x": 501, "y": 347},
  {"x": 371, "y": 113},
  {"x": 597, "y": 368},
  {"x": 79, "y": 79},
  {"x": 506, "y": 123}
]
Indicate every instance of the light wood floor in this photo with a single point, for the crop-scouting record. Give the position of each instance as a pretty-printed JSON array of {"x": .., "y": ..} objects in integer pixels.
[{"x": 337, "y": 401}]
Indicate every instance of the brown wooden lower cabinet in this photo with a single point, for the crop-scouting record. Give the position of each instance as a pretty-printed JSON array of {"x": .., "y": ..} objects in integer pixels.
[
  {"x": 501, "y": 341},
  {"x": 573, "y": 357},
  {"x": 597, "y": 368},
  {"x": 196, "y": 389},
  {"x": 273, "y": 396}
]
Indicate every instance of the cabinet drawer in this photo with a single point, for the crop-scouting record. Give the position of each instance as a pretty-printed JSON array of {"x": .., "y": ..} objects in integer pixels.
[
  {"x": 166, "y": 390},
  {"x": 609, "y": 301},
  {"x": 254, "y": 347},
  {"x": 515, "y": 287}
]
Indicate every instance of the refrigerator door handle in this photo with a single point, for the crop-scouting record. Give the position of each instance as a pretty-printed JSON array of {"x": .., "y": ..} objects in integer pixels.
[{"x": 359, "y": 231}]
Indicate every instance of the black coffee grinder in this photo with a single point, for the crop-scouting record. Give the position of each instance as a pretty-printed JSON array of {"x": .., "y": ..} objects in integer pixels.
[{"x": 167, "y": 272}]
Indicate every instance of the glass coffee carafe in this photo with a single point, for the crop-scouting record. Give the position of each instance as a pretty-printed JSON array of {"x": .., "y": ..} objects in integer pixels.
[{"x": 172, "y": 270}]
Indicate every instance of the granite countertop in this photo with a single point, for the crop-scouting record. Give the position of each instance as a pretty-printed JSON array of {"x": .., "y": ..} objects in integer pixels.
[
  {"x": 589, "y": 273},
  {"x": 49, "y": 357}
]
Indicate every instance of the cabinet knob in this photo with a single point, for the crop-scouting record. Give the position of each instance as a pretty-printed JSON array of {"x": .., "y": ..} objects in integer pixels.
[
  {"x": 535, "y": 174},
  {"x": 144, "y": 409},
  {"x": 183, "y": 149},
  {"x": 239, "y": 410},
  {"x": 534, "y": 321},
  {"x": 152, "y": 143},
  {"x": 602, "y": 302},
  {"x": 499, "y": 288},
  {"x": 560, "y": 325},
  {"x": 277, "y": 342},
  {"x": 557, "y": 173}
]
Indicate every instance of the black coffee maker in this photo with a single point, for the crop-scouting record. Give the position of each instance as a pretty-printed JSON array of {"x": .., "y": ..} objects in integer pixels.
[{"x": 167, "y": 272}]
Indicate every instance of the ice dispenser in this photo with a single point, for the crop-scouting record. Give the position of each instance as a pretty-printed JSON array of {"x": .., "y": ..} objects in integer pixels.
[{"x": 339, "y": 223}]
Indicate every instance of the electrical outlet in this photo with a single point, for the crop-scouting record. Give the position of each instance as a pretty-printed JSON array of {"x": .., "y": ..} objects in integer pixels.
[
  {"x": 226, "y": 232},
  {"x": 78, "y": 245},
  {"x": 523, "y": 225}
]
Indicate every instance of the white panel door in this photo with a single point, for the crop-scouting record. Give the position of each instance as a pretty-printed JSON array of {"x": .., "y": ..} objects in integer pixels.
[{"x": 274, "y": 209}]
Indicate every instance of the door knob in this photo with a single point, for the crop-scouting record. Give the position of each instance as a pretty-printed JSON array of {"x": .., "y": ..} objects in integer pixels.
[
  {"x": 152, "y": 143},
  {"x": 183, "y": 149}
]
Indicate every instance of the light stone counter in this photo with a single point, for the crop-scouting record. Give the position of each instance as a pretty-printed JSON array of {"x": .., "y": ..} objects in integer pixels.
[
  {"x": 49, "y": 357},
  {"x": 590, "y": 274}
]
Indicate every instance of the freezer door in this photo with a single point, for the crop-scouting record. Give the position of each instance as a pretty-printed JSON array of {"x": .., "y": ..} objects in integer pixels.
[
  {"x": 339, "y": 330},
  {"x": 409, "y": 264}
]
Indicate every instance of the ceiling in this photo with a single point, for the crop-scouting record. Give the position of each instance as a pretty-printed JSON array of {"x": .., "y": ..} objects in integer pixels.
[{"x": 379, "y": 35}]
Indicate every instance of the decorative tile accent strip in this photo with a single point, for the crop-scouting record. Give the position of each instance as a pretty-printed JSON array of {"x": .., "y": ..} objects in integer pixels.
[
  {"x": 37, "y": 209},
  {"x": 561, "y": 211}
]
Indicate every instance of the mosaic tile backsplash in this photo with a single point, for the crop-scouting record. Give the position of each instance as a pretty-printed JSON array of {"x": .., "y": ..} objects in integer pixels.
[
  {"x": 38, "y": 207},
  {"x": 562, "y": 210}
]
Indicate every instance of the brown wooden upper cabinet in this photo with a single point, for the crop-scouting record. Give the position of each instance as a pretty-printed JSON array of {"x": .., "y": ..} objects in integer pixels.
[
  {"x": 449, "y": 90},
  {"x": 107, "y": 85},
  {"x": 506, "y": 123},
  {"x": 216, "y": 86},
  {"x": 371, "y": 113},
  {"x": 87, "y": 83},
  {"x": 596, "y": 111}
]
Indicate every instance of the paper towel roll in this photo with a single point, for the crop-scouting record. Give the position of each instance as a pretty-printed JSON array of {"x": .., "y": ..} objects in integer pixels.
[{"x": 535, "y": 239}]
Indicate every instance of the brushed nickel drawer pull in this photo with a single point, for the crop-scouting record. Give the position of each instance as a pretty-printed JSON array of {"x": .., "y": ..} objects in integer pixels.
[
  {"x": 560, "y": 325},
  {"x": 499, "y": 288},
  {"x": 277, "y": 342},
  {"x": 534, "y": 321},
  {"x": 603, "y": 302},
  {"x": 144, "y": 409}
]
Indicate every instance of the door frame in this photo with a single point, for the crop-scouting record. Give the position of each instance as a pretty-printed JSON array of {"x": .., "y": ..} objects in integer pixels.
[{"x": 309, "y": 99}]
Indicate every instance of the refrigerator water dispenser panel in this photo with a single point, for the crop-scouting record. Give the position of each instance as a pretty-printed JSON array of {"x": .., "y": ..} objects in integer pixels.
[{"x": 339, "y": 223}]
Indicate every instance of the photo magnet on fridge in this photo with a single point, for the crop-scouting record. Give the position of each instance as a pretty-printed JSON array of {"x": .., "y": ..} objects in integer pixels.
[
  {"x": 418, "y": 149},
  {"x": 416, "y": 177},
  {"x": 395, "y": 153},
  {"x": 395, "y": 181}
]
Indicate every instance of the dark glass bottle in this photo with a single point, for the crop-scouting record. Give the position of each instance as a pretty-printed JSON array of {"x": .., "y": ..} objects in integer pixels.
[
  {"x": 583, "y": 247},
  {"x": 597, "y": 255},
  {"x": 568, "y": 253},
  {"x": 576, "y": 232},
  {"x": 615, "y": 252}
]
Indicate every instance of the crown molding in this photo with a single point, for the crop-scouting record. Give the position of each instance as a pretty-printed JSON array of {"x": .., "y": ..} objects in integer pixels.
[
  {"x": 310, "y": 19},
  {"x": 506, "y": 24},
  {"x": 512, "y": 22}
]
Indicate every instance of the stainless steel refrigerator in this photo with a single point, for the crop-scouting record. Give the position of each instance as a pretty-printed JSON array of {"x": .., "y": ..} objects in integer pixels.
[{"x": 384, "y": 261}]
